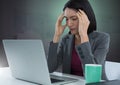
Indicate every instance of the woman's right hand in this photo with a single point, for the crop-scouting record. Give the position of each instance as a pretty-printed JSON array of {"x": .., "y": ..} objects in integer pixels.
[{"x": 59, "y": 28}]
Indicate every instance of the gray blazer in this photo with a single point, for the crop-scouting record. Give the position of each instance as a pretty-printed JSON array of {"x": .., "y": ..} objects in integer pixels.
[{"x": 92, "y": 52}]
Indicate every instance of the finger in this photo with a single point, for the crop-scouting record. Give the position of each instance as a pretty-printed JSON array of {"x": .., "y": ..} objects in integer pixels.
[
  {"x": 84, "y": 14},
  {"x": 84, "y": 17},
  {"x": 65, "y": 26},
  {"x": 61, "y": 17},
  {"x": 80, "y": 20},
  {"x": 80, "y": 16},
  {"x": 79, "y": 13}
]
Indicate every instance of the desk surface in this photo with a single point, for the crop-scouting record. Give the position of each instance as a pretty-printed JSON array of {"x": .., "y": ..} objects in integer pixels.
[{"x": 7, "y": 79}]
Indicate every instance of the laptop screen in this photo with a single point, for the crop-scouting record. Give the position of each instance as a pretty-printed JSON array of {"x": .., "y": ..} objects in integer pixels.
[{"x": 27, "y": 60}]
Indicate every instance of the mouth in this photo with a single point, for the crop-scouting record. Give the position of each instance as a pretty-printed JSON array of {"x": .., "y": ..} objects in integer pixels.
[{"x": 72, "y": 29}]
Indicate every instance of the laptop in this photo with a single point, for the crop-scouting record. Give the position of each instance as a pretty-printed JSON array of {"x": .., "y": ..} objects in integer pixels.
[{"x": 27, "y": 61}]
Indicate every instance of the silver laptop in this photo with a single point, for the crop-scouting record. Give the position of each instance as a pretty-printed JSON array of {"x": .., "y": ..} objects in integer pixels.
[{"x": 27, "y": 61}]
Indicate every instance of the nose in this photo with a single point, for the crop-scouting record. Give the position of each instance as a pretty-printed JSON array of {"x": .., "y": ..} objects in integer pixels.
[{"x": 69, "y": 23}]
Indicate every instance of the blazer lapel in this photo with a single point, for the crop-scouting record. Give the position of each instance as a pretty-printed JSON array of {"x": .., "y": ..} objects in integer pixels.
[{"x": 68, "y": 54}]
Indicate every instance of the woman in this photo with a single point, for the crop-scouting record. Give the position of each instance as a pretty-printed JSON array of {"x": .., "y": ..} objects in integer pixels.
[{"x": 82, "y": 45}]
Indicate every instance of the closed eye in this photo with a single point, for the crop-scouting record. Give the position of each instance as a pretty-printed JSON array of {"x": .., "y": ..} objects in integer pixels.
[{"x": 74, "y": 19}]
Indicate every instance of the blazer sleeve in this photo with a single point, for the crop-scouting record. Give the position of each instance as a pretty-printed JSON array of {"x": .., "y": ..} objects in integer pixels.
[
  {"x": 55, "y": 56},
  {"x": 96, "y": 56}
]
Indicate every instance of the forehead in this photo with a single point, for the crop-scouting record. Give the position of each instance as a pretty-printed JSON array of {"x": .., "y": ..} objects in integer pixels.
[{"x": 69, "y": 12}]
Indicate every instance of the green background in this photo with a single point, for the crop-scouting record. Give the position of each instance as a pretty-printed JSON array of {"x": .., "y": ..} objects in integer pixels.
[{"x": 37, "y": 18}]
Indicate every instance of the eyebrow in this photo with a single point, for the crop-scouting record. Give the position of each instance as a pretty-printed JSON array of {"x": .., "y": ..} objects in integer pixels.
[{"x": 71, "y": 17}]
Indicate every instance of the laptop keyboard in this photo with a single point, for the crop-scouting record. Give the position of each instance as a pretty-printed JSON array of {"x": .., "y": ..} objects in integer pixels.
[{"x": 55, "y": 80}]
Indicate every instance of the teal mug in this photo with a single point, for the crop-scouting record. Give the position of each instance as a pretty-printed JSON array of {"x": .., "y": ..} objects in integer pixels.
[{"x": 93, "y": 73}]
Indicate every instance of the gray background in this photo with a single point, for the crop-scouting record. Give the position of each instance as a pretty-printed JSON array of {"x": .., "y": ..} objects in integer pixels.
[{"x": 35, "y": 19}]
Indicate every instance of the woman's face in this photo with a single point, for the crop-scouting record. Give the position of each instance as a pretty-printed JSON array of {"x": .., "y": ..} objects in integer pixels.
[{"x": 71, "y": 20}]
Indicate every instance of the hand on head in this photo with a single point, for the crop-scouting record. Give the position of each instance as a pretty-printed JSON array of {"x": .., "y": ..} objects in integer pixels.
[
  {"x": 83, "y": 22},
  {"x": 59, "y": 29}
]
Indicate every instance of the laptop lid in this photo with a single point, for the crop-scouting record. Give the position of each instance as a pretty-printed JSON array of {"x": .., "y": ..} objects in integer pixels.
[{"x": 27, "y": 60}]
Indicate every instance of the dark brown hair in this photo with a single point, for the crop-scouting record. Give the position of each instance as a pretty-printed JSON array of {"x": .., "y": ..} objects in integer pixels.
[{"x": 86, "y": 7}]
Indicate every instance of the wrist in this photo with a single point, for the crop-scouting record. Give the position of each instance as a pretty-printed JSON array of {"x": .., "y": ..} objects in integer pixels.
[
  {"x": 84, "y": 38},
  {"x": 56, "y": 39}
]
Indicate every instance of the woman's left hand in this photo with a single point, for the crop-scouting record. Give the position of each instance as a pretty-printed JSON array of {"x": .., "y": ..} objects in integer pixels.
[{"x": 83, "y": 25}]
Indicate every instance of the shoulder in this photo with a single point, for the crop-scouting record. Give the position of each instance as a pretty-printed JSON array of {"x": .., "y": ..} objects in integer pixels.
[{"x": 99, "y": 35}]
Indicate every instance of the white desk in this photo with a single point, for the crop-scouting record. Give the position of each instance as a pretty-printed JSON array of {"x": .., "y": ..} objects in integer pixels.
[{"x": 7, "y": 79}]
